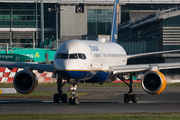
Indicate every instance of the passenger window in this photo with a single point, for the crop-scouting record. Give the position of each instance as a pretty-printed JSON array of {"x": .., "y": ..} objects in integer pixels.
[
  {"x": 80, "y": 56},
  {"x": 73, "y": 56}
]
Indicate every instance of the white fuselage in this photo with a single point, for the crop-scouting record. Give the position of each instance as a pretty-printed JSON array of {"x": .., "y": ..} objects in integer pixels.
[{"x": 97, "y": 56}]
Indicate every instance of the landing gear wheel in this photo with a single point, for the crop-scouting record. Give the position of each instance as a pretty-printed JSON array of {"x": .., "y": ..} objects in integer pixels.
[
  {"x": 56, "y": 98},
  {"x": 130, "y": 95},
  {"x": 126, "y": 98},
  {"x": 76, "y": 100},
  {"x": 71, "y": 101},
  {"x": 64, "y": 98},
  {"x": 134, "y": 98}
]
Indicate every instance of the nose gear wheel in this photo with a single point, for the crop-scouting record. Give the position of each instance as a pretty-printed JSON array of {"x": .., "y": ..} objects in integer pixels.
[{"x": 74, "y": 99}]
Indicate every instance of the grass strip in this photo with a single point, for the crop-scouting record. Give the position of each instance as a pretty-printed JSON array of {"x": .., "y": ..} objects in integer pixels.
[
  {"x": 135, "y": 84},
  {"x": 34, "y": 95},
  {"x": 92, "y": 85},
  {"x": 174, "y": 84},
  {"x": 91, "y": 116}
]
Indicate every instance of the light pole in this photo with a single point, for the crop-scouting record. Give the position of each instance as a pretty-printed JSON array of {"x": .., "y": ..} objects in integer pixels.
[
  {"x": 42, "y": 24},
  {"x": 60, "y": 29},
  {"x": 36, "y": 23},
  {"x": 57, "y": 10}
]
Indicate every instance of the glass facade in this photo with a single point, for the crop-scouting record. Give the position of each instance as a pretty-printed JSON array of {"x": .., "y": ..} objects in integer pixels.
[
  {"x": 24, "y": 15},
  {"x": 5, "y": 15},
  {"x": 99, "y": 21},
  {"x": 171, "y": 47},
  {"x": 139, "y": 46},
  {"x": 125, "y": 9},
  {"x": 172, "y": 22},
  {"x": 171, "y": 30}
]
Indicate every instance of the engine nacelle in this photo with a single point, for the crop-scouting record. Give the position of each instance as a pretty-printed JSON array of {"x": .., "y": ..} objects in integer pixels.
[
  {"x": 153, "y": 82},
  {"x": 25, "y": 81}
]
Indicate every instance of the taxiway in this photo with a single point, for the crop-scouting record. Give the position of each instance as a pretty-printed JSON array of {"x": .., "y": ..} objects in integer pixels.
[{"x": 100, "y": 100}]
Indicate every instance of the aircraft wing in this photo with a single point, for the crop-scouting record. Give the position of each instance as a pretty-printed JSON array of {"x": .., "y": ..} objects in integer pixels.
[
  {"x": 120, "y": 69},
  {"x": 33, "y": 66},
  {"x": 151, "y": 53}
]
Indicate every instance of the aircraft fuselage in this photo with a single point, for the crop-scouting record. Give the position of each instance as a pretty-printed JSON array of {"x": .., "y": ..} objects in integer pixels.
[{"x": 88, "y": 60}]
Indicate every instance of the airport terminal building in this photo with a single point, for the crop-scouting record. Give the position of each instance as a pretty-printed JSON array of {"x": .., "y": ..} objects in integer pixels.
[
  {"x": 158, "y": 30},
  {"x": 144, "y": 26},
  {"x": 20, "y": 20}
]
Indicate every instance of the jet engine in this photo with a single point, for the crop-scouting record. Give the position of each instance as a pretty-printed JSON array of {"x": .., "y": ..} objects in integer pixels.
[
  {"x": 25, "y": 81},
  {"x": 153, "y": 82}
]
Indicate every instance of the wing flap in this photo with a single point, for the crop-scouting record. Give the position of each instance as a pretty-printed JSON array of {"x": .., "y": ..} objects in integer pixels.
[
  {"x": 33, "y": 66},
  {"x": 120, "y": 69}
]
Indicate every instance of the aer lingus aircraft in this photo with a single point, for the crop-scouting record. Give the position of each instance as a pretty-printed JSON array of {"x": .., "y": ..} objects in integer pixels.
[{"x": 93, "y": 62}]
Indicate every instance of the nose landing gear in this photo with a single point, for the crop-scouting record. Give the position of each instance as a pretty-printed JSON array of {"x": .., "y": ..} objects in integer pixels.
[{"x": 74, "y": 99}]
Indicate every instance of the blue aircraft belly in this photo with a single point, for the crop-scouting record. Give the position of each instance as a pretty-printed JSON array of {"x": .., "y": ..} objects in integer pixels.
[
  {"x": 89, "y": 76},
  {"x": 77, "y": 75},
  {"x": 99, "y": 77}
]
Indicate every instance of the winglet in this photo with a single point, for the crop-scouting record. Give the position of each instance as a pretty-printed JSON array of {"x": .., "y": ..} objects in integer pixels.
[{"x": 114, "y": 26}]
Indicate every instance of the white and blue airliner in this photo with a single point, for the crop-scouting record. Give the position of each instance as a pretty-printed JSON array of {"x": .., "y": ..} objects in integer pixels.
[{"x": 93, "y": 62}]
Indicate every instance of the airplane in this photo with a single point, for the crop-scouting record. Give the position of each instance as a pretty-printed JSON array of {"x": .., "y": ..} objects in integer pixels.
[{"x": 94, "y": 62}]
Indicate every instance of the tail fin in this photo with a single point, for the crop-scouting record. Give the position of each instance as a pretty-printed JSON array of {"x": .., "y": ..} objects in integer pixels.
[{"x": 114, "y": 26}]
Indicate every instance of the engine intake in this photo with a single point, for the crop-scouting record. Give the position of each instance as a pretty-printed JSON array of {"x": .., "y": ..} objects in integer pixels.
[
  {"x": 25, "y": 81},
  {"x": 153, "y": 82}
]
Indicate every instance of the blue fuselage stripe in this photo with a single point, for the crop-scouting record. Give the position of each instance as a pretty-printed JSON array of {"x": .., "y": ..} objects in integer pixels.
[{"x": 89, "y": 76}]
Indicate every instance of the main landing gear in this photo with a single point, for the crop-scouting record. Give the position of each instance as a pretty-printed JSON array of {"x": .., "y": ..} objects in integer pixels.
[
  {"x": 73, "y": 100},
  {"x": 130, "y": 95},
  {"x": 60, "y": 96}
]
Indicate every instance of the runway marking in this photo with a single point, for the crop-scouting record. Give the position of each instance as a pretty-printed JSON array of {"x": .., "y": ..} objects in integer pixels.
[
  {"x": 39, "y": 111},
  {"x": 169, "y": 105},
  {"x": 84, "y": 101},
  {"x": 25, "y": 101},
  {"x": 4, "y": 110}
]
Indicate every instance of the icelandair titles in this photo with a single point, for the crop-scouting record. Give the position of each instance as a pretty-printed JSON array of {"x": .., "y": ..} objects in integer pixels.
[{"x": 94, "y": 48}]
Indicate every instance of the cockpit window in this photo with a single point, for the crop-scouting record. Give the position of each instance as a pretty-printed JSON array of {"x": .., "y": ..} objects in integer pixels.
[
  {"x": 84, "y": 56},
  {"x": 73, "y": 56},
  {"x": 70, "y": 56},
  {"x": 62, "y": 56},
  {"x": 80, "y": 56}
]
